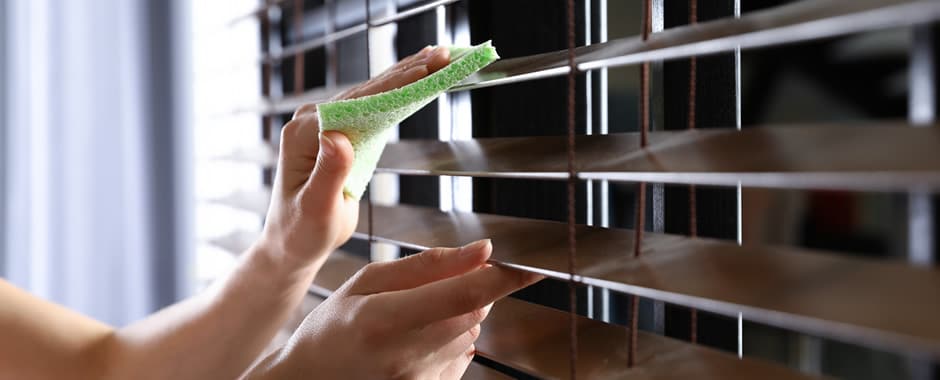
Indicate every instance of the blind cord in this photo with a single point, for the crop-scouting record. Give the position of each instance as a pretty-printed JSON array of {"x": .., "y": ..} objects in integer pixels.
[
  {"x": 693, "y": 212},
  {"x": 641, "y": 193},
  {"x": 572, "y": 176},
  {"x": 298, "y": 21}
]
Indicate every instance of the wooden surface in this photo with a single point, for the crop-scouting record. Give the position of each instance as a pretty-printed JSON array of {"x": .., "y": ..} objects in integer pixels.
[
  {"x": 799, "y": 21},
  {"x": 534, "y": 339},
  {"x": 885, "y": 156},
  {"x": 877, "y": 303}
]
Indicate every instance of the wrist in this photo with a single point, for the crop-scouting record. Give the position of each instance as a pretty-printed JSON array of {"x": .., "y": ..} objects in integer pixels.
[{"x": 277, "y": 264}]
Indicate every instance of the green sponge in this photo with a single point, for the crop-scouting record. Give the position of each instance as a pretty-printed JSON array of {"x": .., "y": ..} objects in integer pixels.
[{"x": 367, "y": 121}]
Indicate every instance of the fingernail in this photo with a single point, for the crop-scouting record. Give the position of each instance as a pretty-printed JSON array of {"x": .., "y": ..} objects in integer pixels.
[
  {"x": 430, "y": 54},
  {"x": 327, "y": 148},
  {"x": 474, "y": 247}
]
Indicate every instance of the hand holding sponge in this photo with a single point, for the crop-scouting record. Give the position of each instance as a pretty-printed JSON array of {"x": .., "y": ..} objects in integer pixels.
[{"x": 367, "y": 121}]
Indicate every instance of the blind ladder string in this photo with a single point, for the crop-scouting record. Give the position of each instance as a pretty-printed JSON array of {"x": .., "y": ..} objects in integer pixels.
[
  {"x": 298, "y": 20},
  {"x": 693, "y": 212},
  {"x": 572, "y": 176},
  {"x": 641, "y": 191}
]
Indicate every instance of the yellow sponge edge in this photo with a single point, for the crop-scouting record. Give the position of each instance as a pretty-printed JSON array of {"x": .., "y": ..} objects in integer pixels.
[{"x": 367, "y": 121}]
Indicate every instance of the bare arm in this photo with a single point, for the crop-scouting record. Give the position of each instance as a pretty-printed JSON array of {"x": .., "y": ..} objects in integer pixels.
[{"x": 219, "y": 333}]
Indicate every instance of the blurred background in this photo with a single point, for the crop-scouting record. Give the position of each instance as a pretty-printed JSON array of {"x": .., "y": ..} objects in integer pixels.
[
  {"x": 131, "y": 127},
  {"x": 111, "y": 111}
]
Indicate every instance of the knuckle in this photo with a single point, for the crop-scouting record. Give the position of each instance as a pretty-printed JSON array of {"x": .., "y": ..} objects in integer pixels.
[
  {"x": 478, "y": 315},
  {"x": 290, "y": 129},
  {"x": 432, "y": 257},
  {"x": 474, "y": 333},
  {"x": 304, "y": 109},
  {"x": 366, "y": 273}
]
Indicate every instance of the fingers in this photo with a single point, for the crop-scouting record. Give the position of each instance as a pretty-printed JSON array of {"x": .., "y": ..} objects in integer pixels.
[
  {"x": 425, "y": 267},
  {"x": 405, "y": 72},
  {"x": 442, "y": 332},
  {"x": 438, "y": 59},
  {"x": 306, "y": 109},
  {"x": 453, "y": 296},
  {"x": 334, "y": 161},
  {"x": 408, "y": 70},
  {"x": 458, "y": 366}
]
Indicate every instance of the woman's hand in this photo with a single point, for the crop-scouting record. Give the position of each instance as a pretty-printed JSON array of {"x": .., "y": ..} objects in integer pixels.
[
  {"x": 414, "y": 318},
  {"x": 309, "y": 215}
]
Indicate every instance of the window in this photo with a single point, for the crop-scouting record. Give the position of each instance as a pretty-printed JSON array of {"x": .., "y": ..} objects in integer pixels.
[{"x": 788, "y": 234}]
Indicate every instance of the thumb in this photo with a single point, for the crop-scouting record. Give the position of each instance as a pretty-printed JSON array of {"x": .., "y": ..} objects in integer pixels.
[{"x": 334, "y": 161}]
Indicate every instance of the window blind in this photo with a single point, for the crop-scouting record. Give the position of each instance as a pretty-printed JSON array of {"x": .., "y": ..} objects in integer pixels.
[{"x": 634, "y": 206}]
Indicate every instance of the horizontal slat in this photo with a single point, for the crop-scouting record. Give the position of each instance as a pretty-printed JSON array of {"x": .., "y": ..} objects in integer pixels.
[
  {"x": 863, "y": 157},
  {"x": 292, "y": 50},
  {"x": 261, "y": 8},
  {"x": 262, "y": 154},
  {"x": 287, "y": 104},
  {"x": 411, "y": 12},
  {"x": 875, "y": 303},
  {"x": 535, "y": 339},
  {"x": 304, "y": 46},
  {"x": 480, "y": 372},
  {"x": 254, "y": 201},
  {"x": 799, "y": 21}
]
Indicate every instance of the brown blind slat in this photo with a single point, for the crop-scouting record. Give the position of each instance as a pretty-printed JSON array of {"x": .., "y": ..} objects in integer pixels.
[
  {"x": 775, "y": 26},
  {"x": 534, "y": 339},
  {"x": 810, "y": 291},
  {"x": 866, "y": 157},
  {"x": 479, "y": 372}
]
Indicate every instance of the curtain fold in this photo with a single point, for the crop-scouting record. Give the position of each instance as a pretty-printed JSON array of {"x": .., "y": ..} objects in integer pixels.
[{"x": 96, "y": 155}]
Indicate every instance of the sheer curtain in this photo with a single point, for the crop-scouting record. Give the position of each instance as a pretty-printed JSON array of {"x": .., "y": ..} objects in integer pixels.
[{"x": 96, "y": 153}]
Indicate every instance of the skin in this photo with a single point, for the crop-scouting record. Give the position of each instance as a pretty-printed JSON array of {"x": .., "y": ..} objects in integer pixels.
[{"x": 414, "y": 318}]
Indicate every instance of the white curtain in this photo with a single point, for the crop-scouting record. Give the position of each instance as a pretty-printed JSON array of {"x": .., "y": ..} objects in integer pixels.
[{"x": 96, "y": 153}]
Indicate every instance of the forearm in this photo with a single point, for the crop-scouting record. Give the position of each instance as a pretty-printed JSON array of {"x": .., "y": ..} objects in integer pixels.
[{"x": 216, "y": 334}]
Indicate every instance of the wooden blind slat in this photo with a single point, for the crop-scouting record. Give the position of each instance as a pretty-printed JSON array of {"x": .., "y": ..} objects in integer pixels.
[
  {"x": 790, "y": 23},
  {"x": 304, "y": 46},
  {"x": 876, "y": 303},
  {"x": 799, "y": 21},
  {"x": 534, "y": 339},
  {"x": 479, "y": 372},
  {"x": 288, "y": 104},
  {"x": 861, "y": 157}
]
